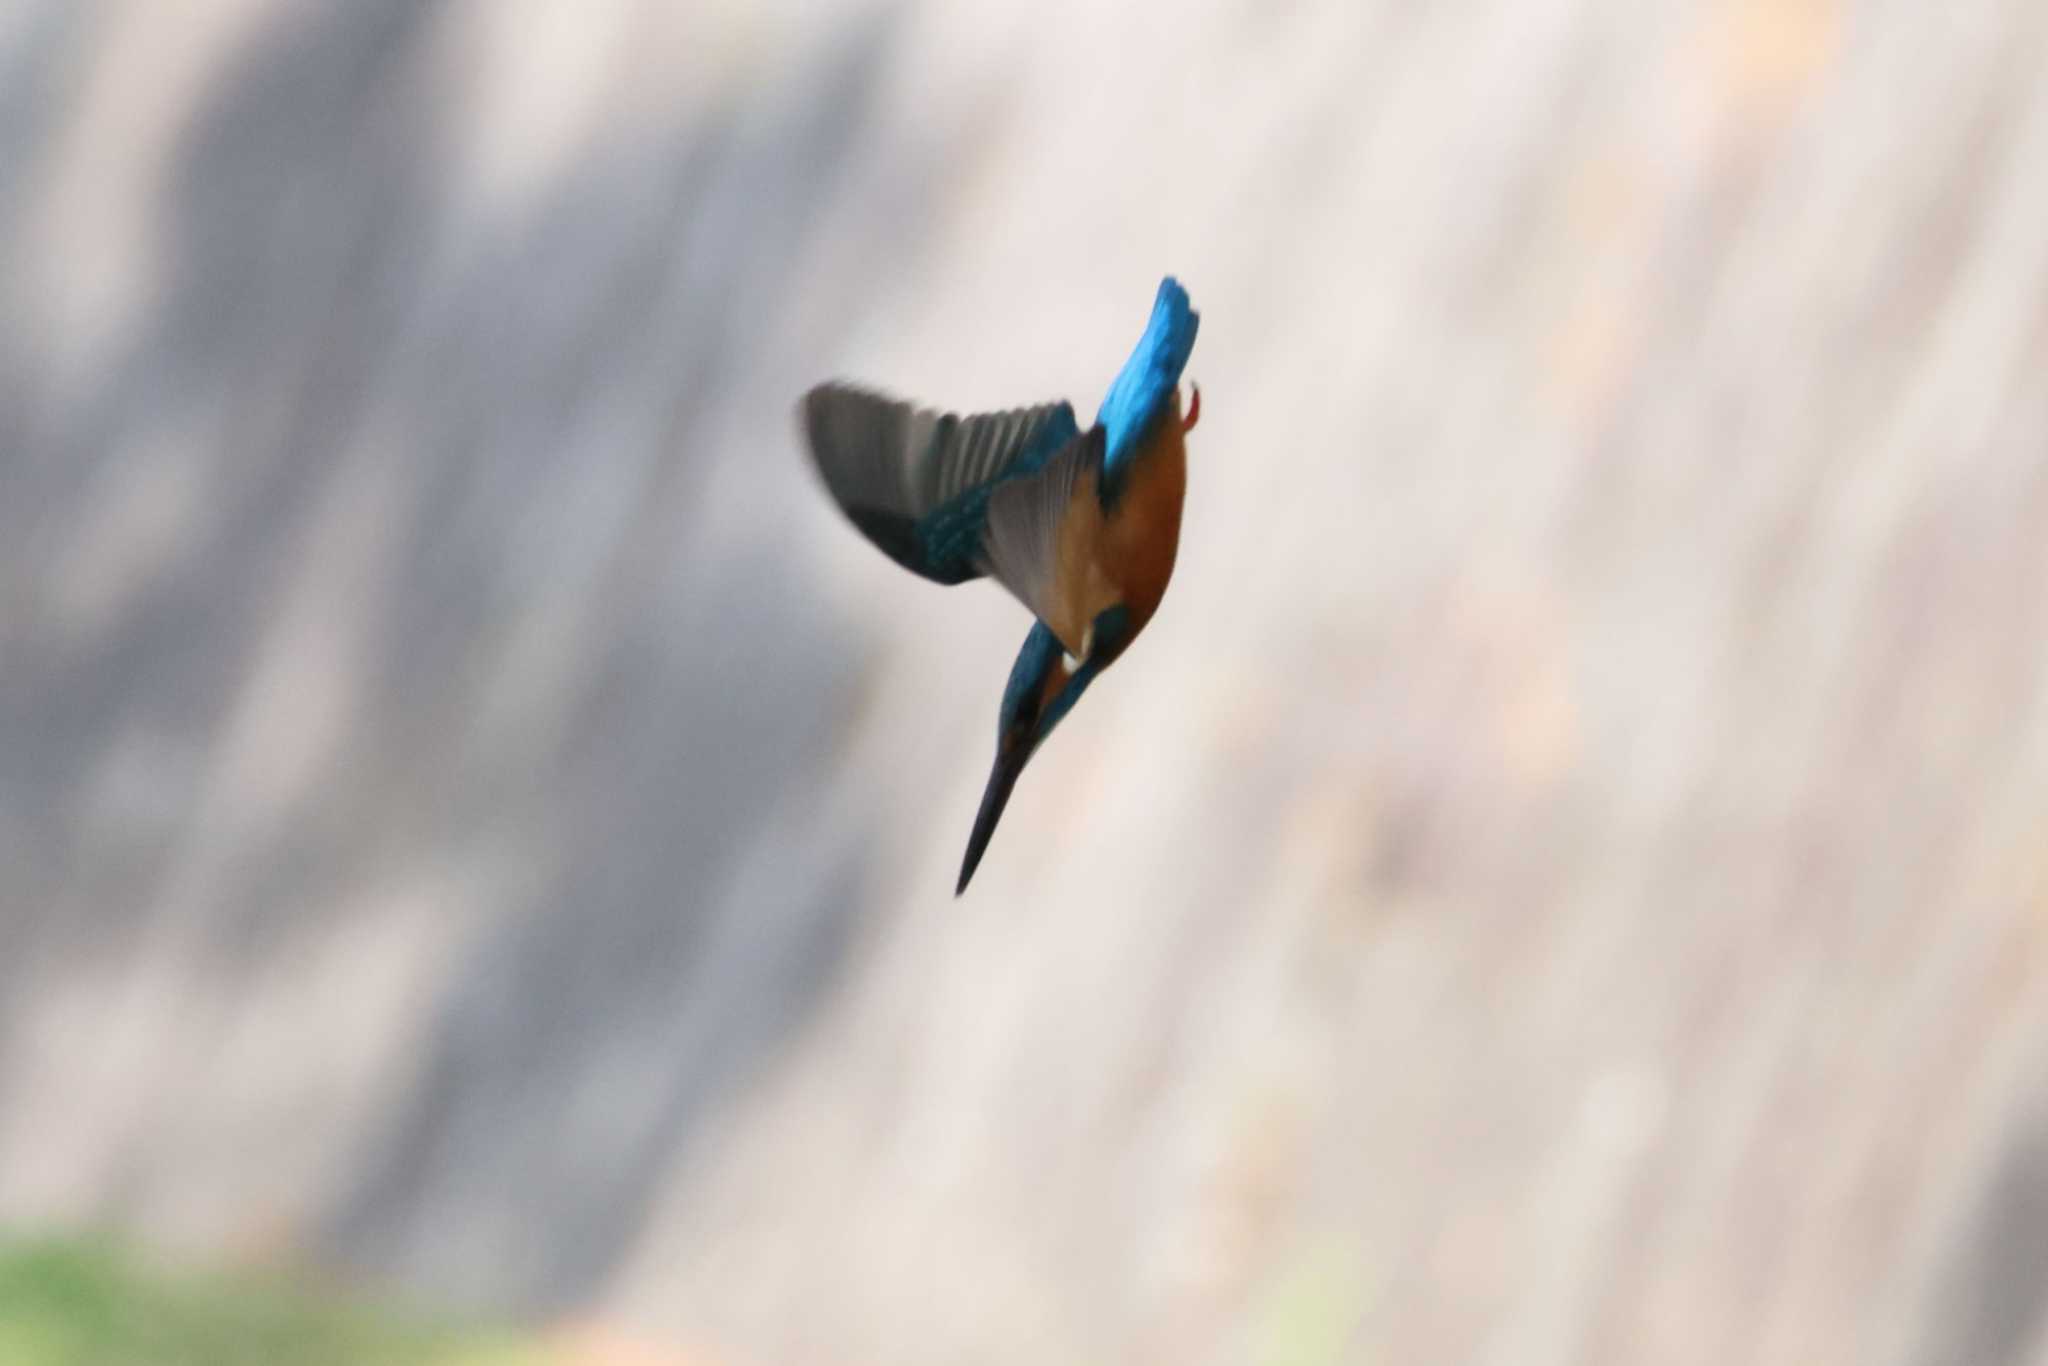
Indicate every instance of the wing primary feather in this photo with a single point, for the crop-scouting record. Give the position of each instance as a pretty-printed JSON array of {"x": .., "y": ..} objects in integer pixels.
[{"x": 912, "y": 478}]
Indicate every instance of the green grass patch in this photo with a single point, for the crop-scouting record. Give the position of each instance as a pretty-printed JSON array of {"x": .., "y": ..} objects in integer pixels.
[{"x": 77, "y": 1303}]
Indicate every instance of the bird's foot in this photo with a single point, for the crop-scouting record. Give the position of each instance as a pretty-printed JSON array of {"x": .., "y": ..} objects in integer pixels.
[{"x": 1187, "y": 423}]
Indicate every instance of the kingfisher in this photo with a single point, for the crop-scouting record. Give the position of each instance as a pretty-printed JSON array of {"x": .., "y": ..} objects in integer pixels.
[{"x": 1082, "y": 527}]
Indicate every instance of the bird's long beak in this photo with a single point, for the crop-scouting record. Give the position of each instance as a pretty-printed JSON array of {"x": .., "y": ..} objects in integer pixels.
[{"x": 1002, "y": 778}]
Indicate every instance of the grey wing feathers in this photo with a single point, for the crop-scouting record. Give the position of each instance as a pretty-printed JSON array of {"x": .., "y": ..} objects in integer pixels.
[
  {"x": 1021, "y": 544},
  {"x": 883, "y": 455}
]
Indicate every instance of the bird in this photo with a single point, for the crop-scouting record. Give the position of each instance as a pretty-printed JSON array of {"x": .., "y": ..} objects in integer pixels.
[{"x": 1083, "y": 527}]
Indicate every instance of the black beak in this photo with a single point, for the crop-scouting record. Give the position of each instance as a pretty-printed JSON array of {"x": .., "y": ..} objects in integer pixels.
[{"x": 1001, "y": 779}]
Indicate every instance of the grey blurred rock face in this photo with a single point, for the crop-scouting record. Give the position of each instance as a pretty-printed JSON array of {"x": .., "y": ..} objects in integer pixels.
[
  {"x": 1561, "y": 880},
  {"x": 438, "y": 483}
]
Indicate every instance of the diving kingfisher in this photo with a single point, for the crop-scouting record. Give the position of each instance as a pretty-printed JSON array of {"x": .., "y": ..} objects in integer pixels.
[{"x": 1081, "y": 526}]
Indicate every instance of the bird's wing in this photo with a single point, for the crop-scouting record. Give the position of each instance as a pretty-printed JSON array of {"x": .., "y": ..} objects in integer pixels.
[
  {"x": 1021, "y": 545},
  {"x": 915, "y": 480}
]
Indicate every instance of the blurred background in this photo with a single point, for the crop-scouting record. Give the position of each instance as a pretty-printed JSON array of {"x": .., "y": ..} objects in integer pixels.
[{"x": 1564, "y": 878}]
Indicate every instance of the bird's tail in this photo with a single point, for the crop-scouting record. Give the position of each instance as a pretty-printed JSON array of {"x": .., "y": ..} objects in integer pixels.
[{"x": 1142, "y": 387}]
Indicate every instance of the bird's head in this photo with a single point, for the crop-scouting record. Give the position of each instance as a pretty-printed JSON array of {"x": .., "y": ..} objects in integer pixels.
[{"x": 1045, "y": 683}]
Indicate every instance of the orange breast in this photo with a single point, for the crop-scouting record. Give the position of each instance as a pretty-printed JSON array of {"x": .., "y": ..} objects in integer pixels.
[
  {"x": 1127, "y": 556},
  {"x": 1141, "y": 538}
]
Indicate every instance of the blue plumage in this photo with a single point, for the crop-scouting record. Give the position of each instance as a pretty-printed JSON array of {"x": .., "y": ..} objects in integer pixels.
[{"x": 1142, "y": 389}]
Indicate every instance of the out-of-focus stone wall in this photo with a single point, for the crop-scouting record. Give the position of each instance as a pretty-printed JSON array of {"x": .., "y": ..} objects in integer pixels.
[{"x": 1564, "y": 878}]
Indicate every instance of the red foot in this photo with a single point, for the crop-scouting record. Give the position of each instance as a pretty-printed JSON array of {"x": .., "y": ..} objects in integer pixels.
[{"x": 1187, "y": 423}]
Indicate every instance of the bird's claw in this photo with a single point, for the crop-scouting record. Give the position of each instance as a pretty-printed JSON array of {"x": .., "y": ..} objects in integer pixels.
[{"x": 1187, "y": 423}]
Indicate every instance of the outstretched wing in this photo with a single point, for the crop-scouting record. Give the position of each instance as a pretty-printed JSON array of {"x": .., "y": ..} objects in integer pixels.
[
  {"x": 916, "y": 481},
  {"x": 1021, "y": 546}
]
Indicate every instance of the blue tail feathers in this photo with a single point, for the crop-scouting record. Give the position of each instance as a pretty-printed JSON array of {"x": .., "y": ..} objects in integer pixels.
[{"x": 1145, "y": 385}]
